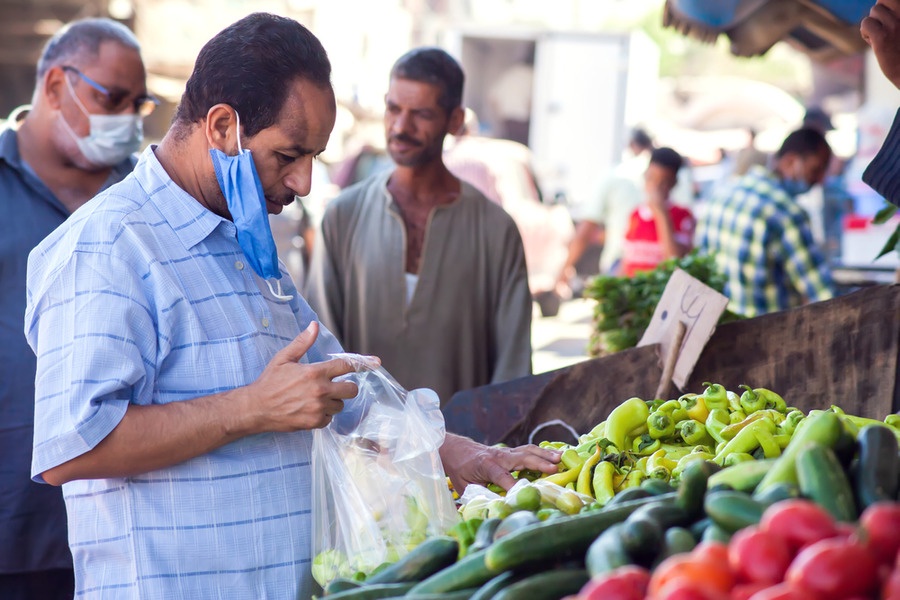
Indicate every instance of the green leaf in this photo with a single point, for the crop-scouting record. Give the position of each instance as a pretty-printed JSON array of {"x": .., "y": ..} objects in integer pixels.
[
  {"x": 891, "y": 244},
  {"x": 884, "y": 215}
]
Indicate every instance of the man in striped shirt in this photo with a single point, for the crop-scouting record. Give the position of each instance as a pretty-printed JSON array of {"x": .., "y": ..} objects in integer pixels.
[
  {"x": 760, "y": 236},
  {"x": 176, "y": 390}
]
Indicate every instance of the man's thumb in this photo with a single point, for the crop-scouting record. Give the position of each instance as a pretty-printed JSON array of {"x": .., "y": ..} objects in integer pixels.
[{"x": 300, "y": 344}]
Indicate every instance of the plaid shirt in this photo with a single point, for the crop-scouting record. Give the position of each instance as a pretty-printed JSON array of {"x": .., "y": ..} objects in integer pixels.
[
  {"x": 144, "y": 297},
  {"x": 761, "y": 240}
]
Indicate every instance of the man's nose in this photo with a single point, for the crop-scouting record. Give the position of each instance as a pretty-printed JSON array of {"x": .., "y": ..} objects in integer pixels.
[{"x": 299, "y": 179}]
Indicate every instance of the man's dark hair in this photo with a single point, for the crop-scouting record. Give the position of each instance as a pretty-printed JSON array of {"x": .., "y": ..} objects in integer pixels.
[
  {"x": 641, "y": 139},
  {"x": 803, "y": 142},
  {"x": 250, "y": 65},
  {"x": 434, "y": 66},
  {"x": 668, "y": 158},
  {"x": 82, "y": 38}
]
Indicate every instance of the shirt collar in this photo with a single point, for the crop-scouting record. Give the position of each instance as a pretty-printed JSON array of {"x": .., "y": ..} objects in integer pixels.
[{"x": 191, "y": 221}]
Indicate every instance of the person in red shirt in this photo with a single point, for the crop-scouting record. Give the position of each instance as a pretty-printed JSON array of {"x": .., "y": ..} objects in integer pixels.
[{"x": 658, "y": 229}]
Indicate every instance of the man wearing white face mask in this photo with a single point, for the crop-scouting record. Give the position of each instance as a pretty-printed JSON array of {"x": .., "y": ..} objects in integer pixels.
[
  {"x": 75, "y": 139},
  {"x": 760, "y": 236}
]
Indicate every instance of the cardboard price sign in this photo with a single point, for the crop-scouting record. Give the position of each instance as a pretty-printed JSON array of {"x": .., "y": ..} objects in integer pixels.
[{"x": 688, "y": 311}]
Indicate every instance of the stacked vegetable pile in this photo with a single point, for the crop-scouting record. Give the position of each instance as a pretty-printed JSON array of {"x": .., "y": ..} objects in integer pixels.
[
  {"x": 625, "y": 305},
  {"x": 752, "y": 516}
]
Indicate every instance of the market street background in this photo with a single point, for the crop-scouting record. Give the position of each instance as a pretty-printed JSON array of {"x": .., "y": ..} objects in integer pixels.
[{"x": 561, "y": 340}]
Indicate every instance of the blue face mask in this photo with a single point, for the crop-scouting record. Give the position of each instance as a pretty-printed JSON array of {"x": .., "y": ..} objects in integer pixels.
[
  {"x": 247, "y": 204},
  {"x": 795, "y": 187}
]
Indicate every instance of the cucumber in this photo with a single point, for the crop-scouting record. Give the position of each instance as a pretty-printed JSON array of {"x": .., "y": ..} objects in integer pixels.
[
  {"x": 549, "y": 585},
  {"x": 744, "y": 476},
  {"x": 777, "y": 493},
  {"x": 716, "y": 533},
  {"x": 878, "y": 471},
  {"x": 692, "y": 488},
  {"x": 485, "y": 534},
  {"x": 676, "y": 541},
  {"x": 656, "y": 486},
  {"x": 732, "y": 510},
  {"x": 514, "y": 522},
  {"x": 569, "y": 536},
  {"x": 457, "y": 595},
  {"x": 429, "y": 557},
  {"x": 470, "y": 572},
  {"x": 341, "y": 584},
  {"x": 376, "y": 591},
  {"x": 664, "y": 513},
  {"x": 822, "y": 480},
  {"x": 492, "y": 587},
  {"x": 608, "y": 551},
  {"x": 698, "y": 527},
  {"x": 824, "y": 428},
  {"x": 629, "y": 494}
]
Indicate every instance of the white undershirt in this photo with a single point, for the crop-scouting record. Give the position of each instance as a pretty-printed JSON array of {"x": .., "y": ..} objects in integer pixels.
[{"x": 411, "y": 280}]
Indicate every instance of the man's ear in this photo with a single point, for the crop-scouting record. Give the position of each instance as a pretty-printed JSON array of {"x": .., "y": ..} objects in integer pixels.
[
  {"x": 53, "y": 86},
  {"x": 221, "y": 128},
  {"x": 457, "y": 118}
]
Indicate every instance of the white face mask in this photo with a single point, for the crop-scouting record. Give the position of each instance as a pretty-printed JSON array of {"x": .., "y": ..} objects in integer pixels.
[{"x": 112, "y": 138}]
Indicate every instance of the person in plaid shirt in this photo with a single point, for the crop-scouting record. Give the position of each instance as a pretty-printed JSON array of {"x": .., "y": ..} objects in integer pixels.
[{"x": 760, "y": 236}]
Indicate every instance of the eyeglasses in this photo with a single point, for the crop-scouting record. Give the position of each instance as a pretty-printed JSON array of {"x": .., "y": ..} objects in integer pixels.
[{"x": 113, "y": 98}]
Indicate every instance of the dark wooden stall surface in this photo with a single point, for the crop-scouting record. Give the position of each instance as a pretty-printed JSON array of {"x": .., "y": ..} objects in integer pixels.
[{"x": 843, "y": 351}]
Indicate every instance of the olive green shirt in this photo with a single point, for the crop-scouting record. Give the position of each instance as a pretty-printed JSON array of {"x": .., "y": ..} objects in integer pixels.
[{"x": 468, "y": 322}]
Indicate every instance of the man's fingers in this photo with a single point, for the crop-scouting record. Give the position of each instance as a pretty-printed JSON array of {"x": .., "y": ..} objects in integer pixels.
[
  {"x": 300, "y": 344},
  {"x": 344, "y": 390}
]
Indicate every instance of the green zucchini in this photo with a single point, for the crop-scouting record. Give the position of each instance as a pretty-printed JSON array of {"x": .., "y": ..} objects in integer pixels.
[
  {"x": 657, "y": 486},
  {"x": 485, "y": 534},
  {"x": 457, "y": 595},
  {"x": 608, "y": 551},
  {"x": 375, "y": 591},
  {"x": 548, "y": 585},
  {"x": 716, "y": 533},
  {"x": 493, "y": 587},
  {"x": 514, "y": 522},
  {"x": 777, "y": 493},
  {"x": 628, "y": 495},
  {"x": 563, "y": 537},
  {"x": 341, "y": 584},
  {"x": 823, "y": 428},
  {"x": 692, "y": 488},
  {"x": 878, "y": 471},
  {"x": 429, "y": 557},
  {"x": 470, "y": 572},
  {"x": 744, "y": 476},
  {"x": 732, "y": 510},
  {"x": 823, "y": 480},
  {"x": 675, "y": 541}
]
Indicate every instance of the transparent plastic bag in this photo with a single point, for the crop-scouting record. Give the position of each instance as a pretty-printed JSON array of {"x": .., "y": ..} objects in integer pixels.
[{"x": 379, "y": 488}]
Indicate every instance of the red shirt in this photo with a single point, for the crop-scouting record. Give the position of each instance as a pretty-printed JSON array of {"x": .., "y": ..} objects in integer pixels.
[{"x": 641, "y": 250}]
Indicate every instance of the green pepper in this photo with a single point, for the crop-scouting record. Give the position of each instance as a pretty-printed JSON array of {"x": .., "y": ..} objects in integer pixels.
[
  {"x": 633, "y": 478},
  {"x": 733, "y": 429},
  {"x": 660, "y": 425},
  {"x": 734, "y": 402},
  {"x": 773, "y": 400},
  {"x": 746, "y": 439},
  {"x": 602, "y": 482},
  {"x": 715, "y": 396},
  {"x": 737, "y": 457},
  {"x": 692, "y": 432},
  {"x": 751, "y": 401},
  {"x": 624, "y": 418},
  {"x": 892, "y": 421},
  {"x": 571, "y": 459},
  {"x": 717, "y": 420},
  {"x": 695, "y": 407},
  {"x": 645, "y": 444},
  {"x": 767, "y": 442},
  {"x": 660, "y": 459},
  {"x": 791, "y": 420},
  {"x": 688, "y": 459},
  {"x": 583, "y": 483},
  {"x": 659, "y": 472}
]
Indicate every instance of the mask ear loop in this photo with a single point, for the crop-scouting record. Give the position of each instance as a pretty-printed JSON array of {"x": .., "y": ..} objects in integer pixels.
[{"x": 278, "y": 295}]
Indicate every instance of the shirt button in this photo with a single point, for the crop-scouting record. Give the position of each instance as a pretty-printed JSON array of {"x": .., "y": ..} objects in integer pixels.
[
  {"x": 265, "y": 323},
  {"x": 239, "y": 265}
]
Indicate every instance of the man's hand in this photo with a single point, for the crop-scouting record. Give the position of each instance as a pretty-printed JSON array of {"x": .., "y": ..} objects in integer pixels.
[
  {"x": 466, "y": 461},
  {"x": 289, "y": 396},
  {"x": 881, "y": 30}
]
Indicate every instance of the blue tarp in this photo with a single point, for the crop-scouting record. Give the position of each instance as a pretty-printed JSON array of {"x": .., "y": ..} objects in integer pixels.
[{"x": 720, "y": 14}]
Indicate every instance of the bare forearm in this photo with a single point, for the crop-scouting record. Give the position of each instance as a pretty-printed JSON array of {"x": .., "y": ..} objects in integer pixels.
[
  {"x": 665, "y": 233},
  {"x": 157, "y": 436}
]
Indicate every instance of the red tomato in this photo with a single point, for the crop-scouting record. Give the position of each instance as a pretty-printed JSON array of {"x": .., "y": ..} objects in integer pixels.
[
  {"x": 834, "y": 569},
  {"x": 759, "y": 556},
  {"x": 713, "y": 552},
  {"x": 782, "y": 591},
  {"x": 891, "y": 588},
  {"x": 692, "y": 569},
  {"x": 881, "y": 523},
  {"x": 684, "y": 588},
  {"x": 800, "y": 522},
  {"x": 743, "y": 591},
  {"x": 624, "y": 583}
]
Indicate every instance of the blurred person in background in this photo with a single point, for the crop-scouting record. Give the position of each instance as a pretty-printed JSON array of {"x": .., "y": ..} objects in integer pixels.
[
  {"x": 658, "y": 229},
  {"x": 76, "y": 138},
  {"x": 881, "y": 30},
  {"x": 416, "y": 266},
  {"x": 749, "y": 156},
  {"x": 509, "y": 98},
  {"x": 760, "y": 237},
  {"x": 603, "y": 218}
]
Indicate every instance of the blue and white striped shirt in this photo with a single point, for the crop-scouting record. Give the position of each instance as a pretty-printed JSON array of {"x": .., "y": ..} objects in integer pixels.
[{"x": 144, "y": 297}]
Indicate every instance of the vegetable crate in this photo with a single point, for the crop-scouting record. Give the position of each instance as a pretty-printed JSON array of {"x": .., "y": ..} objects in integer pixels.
[{"x": 843, "y": 351}]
